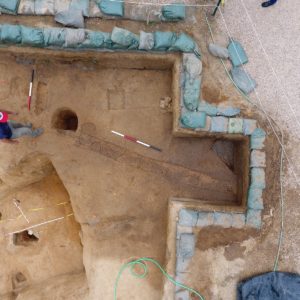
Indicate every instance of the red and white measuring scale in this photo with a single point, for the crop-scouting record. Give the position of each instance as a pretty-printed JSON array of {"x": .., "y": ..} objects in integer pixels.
[
  {"x": 134, "y": 140},
  {"x": 30, "y": 90}
]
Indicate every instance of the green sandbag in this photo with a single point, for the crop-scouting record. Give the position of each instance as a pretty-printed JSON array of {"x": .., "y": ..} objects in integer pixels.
[
  {"x": 243, "y": 80},
  {"x": 193, "y": 119},
  {"x": 33, "y": 37},
  {"x": 163, "y": 40},
  {"x": 237, "y": 54},
  {"x": 209, "y": 109},
  {"x": 9, "y": 6},
  {"x": 125, "y": 38},
  {"x": 183, "y": 43},
  {"x": 112, "y": 8},
  {"x": 94, "y": 39},
  {"x": 11, "y": 34},
  {"x": 108, "y": 43},
  {"x": 54, "y": 37},
  {"x": 81, "y": 5},
  {"x": 174, "y": 12},
  {"x": 191, "y": 94}
]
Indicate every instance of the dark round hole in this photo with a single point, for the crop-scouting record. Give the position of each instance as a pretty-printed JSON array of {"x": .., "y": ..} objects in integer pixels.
[{"x": 65, "y": 119}]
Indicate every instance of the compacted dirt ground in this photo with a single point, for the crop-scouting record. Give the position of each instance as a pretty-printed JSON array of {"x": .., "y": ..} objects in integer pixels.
[
  {"x": 131, "y": 185},
  {"x": 118, "y": 191}
]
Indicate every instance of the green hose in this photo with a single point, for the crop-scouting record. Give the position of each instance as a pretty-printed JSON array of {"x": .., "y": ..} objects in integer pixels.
[{"x": 141, "y": 262}]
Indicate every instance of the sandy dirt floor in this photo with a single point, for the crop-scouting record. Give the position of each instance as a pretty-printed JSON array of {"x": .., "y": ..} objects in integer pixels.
[
  {"x": 122, "y": 206},
  {"x": 57, "y": 249}
]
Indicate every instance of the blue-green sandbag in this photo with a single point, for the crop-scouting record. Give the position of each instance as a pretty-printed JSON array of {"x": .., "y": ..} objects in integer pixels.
[
  {"x": 183, "y": 43},
  {"x": 193, "y": 119},
  {"x": 174, "y": 12},
  {"x": 163, "y": 40},
  {"x": 9, "y": 6},
  {"x": 11, "y": 34},
  {"x": 111, "y": 7},
  {"x": 81, "y": 5},
  {"x": 94, "y": 39},
  {"x": 243, "y": 80},
  {"x": 125, "y": 38},
  {"x": 191, "y": 94},
  {"x": 33, "y": 37},
  {"x": 54, "y": 37},
  {"x": 237, "y": 54}
]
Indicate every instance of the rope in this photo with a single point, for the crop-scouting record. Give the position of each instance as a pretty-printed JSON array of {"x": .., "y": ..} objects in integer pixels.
[
  {"x": 35, "y": 210},
  {"x": 282, "y": 152},
  {"x": 40, "y": 224},
  {"x": 280, "y": 239},
  {"x": 163, "y": 4},
  {"x": 261, "y": 108},
  {"x": 279, "y": 83},
  {"x": 142, "y": 263}
]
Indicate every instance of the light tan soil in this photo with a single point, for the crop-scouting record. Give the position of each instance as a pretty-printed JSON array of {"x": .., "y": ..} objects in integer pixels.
[{"x": 119, "y": 190}]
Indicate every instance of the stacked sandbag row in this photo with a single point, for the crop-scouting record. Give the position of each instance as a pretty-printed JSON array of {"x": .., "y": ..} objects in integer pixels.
[
  {"x": 97, "y": 8},
  {"x": 118, "y": 39},
  {"x": 196, "y": 113},
  {"x": 51, "y": 7},
  {"x": 9, "y": 6},
  {"x": 238, "y": 57}
]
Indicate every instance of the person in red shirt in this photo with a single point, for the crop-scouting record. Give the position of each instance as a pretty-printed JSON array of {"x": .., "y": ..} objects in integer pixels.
[{"x": 11, "y": 130}]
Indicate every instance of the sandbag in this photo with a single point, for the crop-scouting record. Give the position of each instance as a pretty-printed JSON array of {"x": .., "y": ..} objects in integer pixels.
[
  {"x": 193, "y": 119},
  {"x": 95, "y": 11},
  {"x": 61, "y": 5},
  {"x": 11, "y": 34},
  {"x": 112, "y": 8},
  {"x": 209, "y": 109},
  {"x": 74, "y": 37},
  {"x": 191, "y": 94},
  {"x": 81, "y": 5},
  {"x": 26, "y": 7},
  {"x": 228, "y": 111},
  {"x": 72, "y": 17},
  {"x": 183, "y": 43},
  {"x": 9, "y": 6},
  {"x": 218, "y": 51},
  {"x": 237, "y": 54},
  {"x": 44, "y": 7},
  {"x": 146, "y": 40},
  {"x": 108, "y": 43},
  {"x": 174, "y": 12},
  {"x": 192, "y": 66},
  {"x": 94, "y": 39},
  {"x": 243, "y": 80},
  {"x": 163, "y": 40},
  {"x": 33, "y": 37},
  {"x": 125, "y": 38},
  {"x": 54, "y": 37},
  {"x": 143, "y": 12}
]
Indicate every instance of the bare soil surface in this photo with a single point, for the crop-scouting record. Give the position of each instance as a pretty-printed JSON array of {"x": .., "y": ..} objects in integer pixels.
[
  {"x": 119, "y": 191},
  {"x": 55, "y": 250}
]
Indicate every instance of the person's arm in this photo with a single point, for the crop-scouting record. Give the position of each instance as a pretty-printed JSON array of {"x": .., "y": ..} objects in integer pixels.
[
  {"x": 9, "y": 141},
  {"x": 8, "y": 112}
]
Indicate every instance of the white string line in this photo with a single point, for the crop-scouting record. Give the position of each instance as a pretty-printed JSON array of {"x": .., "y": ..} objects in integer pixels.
[
  {"x": 15, "y": 201},
  {"x": 268, "y": 60},
  {"x": 40, "y": 224},
  {"x": 34, "y": 226},
  {"x": 261, "y": 106},
  {"x": 163, "y": 4}
]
